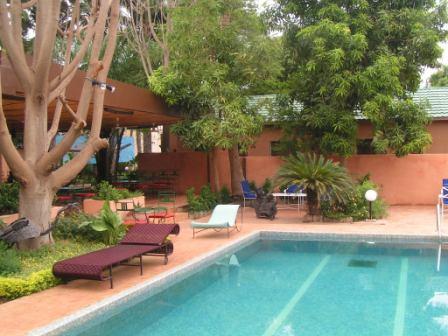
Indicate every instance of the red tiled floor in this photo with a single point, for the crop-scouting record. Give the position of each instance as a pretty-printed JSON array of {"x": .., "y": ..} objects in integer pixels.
[{"x": 22, "y": 315}]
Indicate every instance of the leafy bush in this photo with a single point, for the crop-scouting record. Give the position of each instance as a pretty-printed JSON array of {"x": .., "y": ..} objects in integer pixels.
[
  {"x": 12, "y": 288},
  {"x": 109, "y": 224},
  {"x": 194, "y": 202},
  {"x": 35, "y": 273},
  {"x": 356, "y": 205},
  {"x": 224, "y": 196},
  {"x": 267, "y": 186},
  {"x": 320, "y": 177},
  {"x": 70, "y": 227},
  {"x": 207, "y": 199},
  {"x": 107, "y": 192},
  {"x": 9, "y": 198},
  {"x": 9, "y": 260}
]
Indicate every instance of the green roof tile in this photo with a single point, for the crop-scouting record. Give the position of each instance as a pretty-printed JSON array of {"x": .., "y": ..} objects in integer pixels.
[{"x": 437, "y": 97}]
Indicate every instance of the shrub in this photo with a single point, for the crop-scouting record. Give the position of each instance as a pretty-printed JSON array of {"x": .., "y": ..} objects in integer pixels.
[
  {"x": 107, "y": 192},
  {"x": 224, "y": 196},
  {"x": 109, "y": 224},
  {"x": 70, "y": 227},
  {"x": 267, "y": 186},
  {"x": 356, "y": 205},
  {"x": 207, "y": 199},
  {"x": 9, "y": 260},
  {"x": 12, "y": 288},
  {"x": 9, "y": 198}
]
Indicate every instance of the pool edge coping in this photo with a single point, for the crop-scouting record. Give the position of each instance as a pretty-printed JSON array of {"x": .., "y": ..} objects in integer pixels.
[{"x": 168, "y": 278}]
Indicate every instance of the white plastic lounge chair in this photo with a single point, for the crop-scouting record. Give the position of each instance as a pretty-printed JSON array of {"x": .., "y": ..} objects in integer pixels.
[{"x": 223, "y": 217}]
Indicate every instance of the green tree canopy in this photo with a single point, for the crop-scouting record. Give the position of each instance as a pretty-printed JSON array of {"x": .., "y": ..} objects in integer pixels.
[
  {"x": 440, "y": 78},
  {"x": 219, "y": 53},
  {"x": 351, "y": 59}
]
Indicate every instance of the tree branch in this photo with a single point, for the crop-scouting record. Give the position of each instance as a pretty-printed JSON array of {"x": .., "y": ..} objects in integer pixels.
[
  {"x": 65, "y": 174},
  {"x": 16, "y": 163},
  {"x": 47, "y": 22},
  {"x": 100, "y": 69},
  {"x": 14, "y": 48},
  {"x": 46, "y": 162},
  {"x": 28, "y": 4},
  {"x": 54, "y": 124},
  {"x": 59, "y": 83}
]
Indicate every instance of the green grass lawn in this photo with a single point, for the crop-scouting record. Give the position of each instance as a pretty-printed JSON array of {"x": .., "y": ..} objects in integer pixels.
[{"x": 46, "y": 256}]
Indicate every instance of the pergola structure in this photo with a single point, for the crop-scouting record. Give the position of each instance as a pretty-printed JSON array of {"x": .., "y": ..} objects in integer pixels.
[{"x": 128, "y": 106}]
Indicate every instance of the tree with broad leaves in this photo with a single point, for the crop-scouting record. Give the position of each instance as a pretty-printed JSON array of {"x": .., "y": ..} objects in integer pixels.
[
  {"x": 351, "y": 59},
  {"x": 440, "y": 78},
  {"x": 94, "y": 34},
  {"x": 219, "y": 54}
]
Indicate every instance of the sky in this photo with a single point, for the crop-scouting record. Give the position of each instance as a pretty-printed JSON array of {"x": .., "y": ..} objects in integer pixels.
[{"x": 427, "y": 72}]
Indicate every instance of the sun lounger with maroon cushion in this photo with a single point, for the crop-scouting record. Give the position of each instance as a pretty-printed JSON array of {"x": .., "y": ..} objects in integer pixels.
[{"x": 142, "y": 239}]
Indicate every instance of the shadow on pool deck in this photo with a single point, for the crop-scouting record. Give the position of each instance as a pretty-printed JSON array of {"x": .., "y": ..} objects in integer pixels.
[{"x": 27, "y": 313}]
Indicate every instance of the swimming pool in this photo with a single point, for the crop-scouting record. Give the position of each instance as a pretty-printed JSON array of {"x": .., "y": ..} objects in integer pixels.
[{"x": 280, "y": 287}]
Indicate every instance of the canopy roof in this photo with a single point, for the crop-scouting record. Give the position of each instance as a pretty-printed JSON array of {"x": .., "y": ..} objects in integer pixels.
[{"x": 128, "y": 106}]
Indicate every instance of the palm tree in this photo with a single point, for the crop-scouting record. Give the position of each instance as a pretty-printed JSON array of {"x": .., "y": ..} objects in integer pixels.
[{"x": 320, "y": 177}]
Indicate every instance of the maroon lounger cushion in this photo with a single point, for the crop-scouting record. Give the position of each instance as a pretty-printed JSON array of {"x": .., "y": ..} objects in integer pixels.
[
  {"x": 92, "y": 265},
  {"x": 149, "y": 234}
]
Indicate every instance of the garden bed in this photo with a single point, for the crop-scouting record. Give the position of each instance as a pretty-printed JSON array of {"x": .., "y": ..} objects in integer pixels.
[{"x": 34, "y": 273}]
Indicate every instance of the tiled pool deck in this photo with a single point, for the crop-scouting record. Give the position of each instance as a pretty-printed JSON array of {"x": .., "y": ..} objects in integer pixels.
[{"x": 20, "y": 316}]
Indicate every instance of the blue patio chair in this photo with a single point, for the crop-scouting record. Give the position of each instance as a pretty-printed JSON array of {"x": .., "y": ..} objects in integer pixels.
[
  {"x": 223, "y": 218},
  {"x": 292, "y": 189},
  {"x": 248, "y": 193},
  {"x": 444, "y": 195}
]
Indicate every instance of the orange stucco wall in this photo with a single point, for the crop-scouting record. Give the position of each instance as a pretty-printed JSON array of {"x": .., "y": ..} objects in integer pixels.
[
  {"x": 190, "y": 166},
  {"x": 262, "y": 145},
  {"x": 414, "y": 179},
  {"x": 438, "y": 130}
]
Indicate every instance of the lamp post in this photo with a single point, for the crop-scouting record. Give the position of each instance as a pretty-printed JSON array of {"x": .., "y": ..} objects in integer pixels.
[{"x": 370, "y": 195}]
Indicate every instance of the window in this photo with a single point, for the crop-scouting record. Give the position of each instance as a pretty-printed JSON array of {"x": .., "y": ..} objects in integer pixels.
[
  {"x": 277, "y": 149},
  {"x": 364, "y": 146}
]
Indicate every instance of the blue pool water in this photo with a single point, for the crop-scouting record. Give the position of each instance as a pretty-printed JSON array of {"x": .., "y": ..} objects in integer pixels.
[{"x": 298, "y": 288}]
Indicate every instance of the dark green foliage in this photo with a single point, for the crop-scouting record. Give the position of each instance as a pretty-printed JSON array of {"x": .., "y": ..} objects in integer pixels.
[
  {"x": 226, "y": 57},
  {"x": 108, "y": 224},
  {"x": 9, "y": 198},
  {"x": 440, "y": 78},
  {"x": 268, "y": 186},
  {"x": 224, "y": 196},
  {"x": 70, "y": 227},
  {"x": 35, "y": 274},
  {"x": 9, "y": 260},
  {"x": 207, "y": 199},
  {"x": 350, "y": 58},
  {"x": 356, "y": 205},
  {"x": 320, "y": 177},
  {"x": 106, "y": 191}
]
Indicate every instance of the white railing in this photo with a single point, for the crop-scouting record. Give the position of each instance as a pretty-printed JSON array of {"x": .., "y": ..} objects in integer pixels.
[{"x": 439, "y": 221}]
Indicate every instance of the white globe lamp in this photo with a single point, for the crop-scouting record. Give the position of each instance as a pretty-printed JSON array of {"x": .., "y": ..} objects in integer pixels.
[{"x": 371, "y": 196}]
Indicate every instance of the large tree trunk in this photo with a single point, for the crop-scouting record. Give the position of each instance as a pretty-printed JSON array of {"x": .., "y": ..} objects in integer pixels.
[
  {"x": 35, "y": 204},
  {"x": 147, "y": 142},
  {"x": 236, "y": 170},
  {"x": 215, "y": 170}
]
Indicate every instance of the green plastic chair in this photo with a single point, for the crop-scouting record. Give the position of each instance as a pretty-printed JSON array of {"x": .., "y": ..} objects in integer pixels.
[{"x": 223, "y": 218}]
